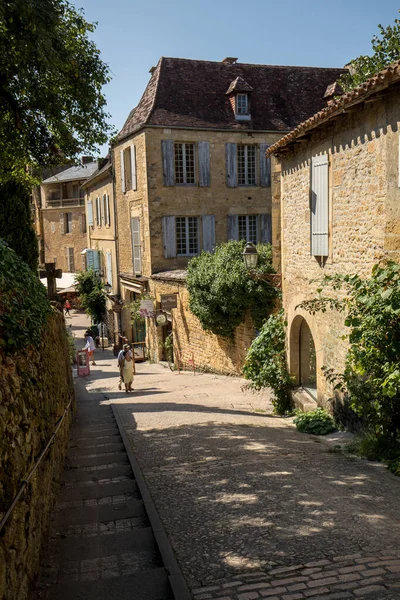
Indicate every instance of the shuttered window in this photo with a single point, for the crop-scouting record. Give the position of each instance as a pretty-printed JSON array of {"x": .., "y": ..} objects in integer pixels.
[
  {"x": 136, "y": 246},
  {"x": 187, "y": 236},
  {"x": 70, "y": 259},
  {"x": 247, "y": 225},
  {"x": 83, "y": 223},
  {"x": 109, "y": 268},
  {"x": 265, "y": 166},
  {"x": 319, "y": 206},
  {"x": 133, "y": 167},
  {"x": 90, "y": 213},
  {"x": 208, "y": 231},
  {"x": 185, "y": 173},
  {"x": 246, "y": 164}
]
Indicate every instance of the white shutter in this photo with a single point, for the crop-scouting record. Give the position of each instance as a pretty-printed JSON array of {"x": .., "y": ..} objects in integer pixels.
[
  {"x": 108, "y": 221},
  {"x": 121, "y": 154},
  {"x": 233, "y": 227},
  {"x": 133, "y": 167},
  {"x": 90, "y": 213},
  {"x": 319, "y": 206},
  {"x": 169, "y": 237},
  {"x": 136, "y": 249},
  {"x": 167, "y": 147},
  {"x": 231, "y": 165},
  {"x": 97, "y": 212},
  {"x": 109, "y": 268},
  {"x": 265, "y": 167},
  {"x": 208, "y": 225},
  {"x": 69, "y": 217},
  {"x": 62, "y": 223},
  {"x": 105, "y": 218}
]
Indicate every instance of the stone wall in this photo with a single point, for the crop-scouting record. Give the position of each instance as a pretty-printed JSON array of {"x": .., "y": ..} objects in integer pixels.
[
  {"x": 209, "y": 351},
  {"x": 56, "y": 242},
  {"x": 35, "y": 387},
  {"x": 364, "y": 220}
]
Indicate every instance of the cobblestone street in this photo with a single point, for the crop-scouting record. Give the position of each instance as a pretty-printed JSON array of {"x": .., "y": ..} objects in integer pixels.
[{"x": 253, "y": 508}]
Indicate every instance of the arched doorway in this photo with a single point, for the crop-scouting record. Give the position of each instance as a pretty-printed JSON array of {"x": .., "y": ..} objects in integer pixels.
[{"x": 303, "y": 363}]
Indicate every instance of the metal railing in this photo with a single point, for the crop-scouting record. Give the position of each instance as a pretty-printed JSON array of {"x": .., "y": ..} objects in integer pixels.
[{"x": 64, "y": 202}]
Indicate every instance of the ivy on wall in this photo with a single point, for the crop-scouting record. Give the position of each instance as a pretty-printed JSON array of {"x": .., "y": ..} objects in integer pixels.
[
  {"x": 24, "y": 305},
  {"x": 222, "y": 290}
]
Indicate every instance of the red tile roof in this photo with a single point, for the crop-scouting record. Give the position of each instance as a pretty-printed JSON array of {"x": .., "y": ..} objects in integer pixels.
[
  {"x": 374, "y": 85},
  {"x": 192, "y": 94}
]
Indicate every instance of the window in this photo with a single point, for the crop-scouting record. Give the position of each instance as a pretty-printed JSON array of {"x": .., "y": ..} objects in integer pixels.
[
  {"x": 68, "y": 223},
  {"x": 106, "y": 209},
  {"x": 98, "y": 212},
  {"x": 75, "y": 190},
  {"x": 187, "y": 236},
  {"x": 70, "y": 259},
  {"x": 83, "y": 223},
  {"x": 246, "y": 160},
  {"x": 242, "y": 104},
  {"x": 248, "y": 228},
  {"x": 184, "y": 164},
  {"x": 128, "y": 169}
]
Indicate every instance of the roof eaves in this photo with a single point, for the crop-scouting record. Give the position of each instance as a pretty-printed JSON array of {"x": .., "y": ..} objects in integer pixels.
[{"x": 340, "y": 106}]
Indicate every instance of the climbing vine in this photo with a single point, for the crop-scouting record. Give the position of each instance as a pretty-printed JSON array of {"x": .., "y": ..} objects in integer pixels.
[
  {"x": 222, "y": 290},
  {"x": 24, "y": 306}
]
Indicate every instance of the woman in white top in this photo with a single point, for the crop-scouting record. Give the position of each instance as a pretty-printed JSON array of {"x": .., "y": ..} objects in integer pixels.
[
  {"x": 127, "y": 369},
  {"x": 90, "y": 346}
]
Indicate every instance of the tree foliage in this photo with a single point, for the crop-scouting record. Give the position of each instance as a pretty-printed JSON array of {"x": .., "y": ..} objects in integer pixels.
[
  {"x": 386, "y": 50},
  {"x": 51, "y": 78},
  {"x": 91, "y": 295},
  {"x": 221, "y": 289},
  {"x": 24, "y": 306},
  {"x": 372, "y": 372},
  {"x": 266, "y": 364}
]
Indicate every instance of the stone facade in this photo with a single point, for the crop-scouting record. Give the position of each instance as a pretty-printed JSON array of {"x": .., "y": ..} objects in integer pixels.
[
  {"x": 36, "y": 387},
  {"x": 362, "y": 147},
  {"x": 57, "y": 243},
  {"x": 194, "y": 347}
]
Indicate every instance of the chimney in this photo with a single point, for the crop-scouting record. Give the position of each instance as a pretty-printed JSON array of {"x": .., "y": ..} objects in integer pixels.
[
  {"x": 151, "y": 70},
  {"x": 229, "y": 60},
  {"x": 87, "y": 159}
]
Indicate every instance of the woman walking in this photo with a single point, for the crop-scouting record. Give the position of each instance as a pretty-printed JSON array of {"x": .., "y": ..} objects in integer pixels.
[
  {"x": 90, "y": 346},
  {"x": 127, "y": 370}
]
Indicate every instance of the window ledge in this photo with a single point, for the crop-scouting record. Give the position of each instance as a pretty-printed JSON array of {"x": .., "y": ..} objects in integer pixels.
[{"x": 243, "y": 117}]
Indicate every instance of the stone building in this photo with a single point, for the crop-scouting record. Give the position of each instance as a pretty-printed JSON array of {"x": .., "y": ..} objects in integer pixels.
[
  {"x": 340, "y": 213},
  {"x": 100, "y": 251},
  {"x": 191, "y": 172},
  {"x": 60, "y": 216}
]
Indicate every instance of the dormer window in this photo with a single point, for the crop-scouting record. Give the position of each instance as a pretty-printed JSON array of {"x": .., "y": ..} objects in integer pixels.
[{"x": 242, "y": 104}]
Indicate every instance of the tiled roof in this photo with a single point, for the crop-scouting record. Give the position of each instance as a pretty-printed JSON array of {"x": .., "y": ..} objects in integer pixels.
[
  {"x": 75, "y": 172},
  {"x": 192, "y": 94},
  {"x": 374, "y": 85},
  {"x": 171, "y": 275},
  {"x": 98, "y": 173}
]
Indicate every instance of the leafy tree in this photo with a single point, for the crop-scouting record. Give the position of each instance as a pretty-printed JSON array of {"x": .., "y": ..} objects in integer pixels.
[
  {"x": 266, "y": 364},
  {"x": 221, "y": 289},
  {"x": 386, "y": 50},
  {"x": 372, "y": 372},
  {"x": 91, "y": 295}
]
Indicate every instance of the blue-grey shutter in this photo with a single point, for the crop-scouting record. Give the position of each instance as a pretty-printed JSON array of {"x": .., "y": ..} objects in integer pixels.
[
  {"x": 204, "y": 164},
  {"x": 121, "y": 155},
  {"x": 109, "y": 268},
  {"x": 136, "y": 246},
  {"x": 89, "y": 259},
  {"x": 169, "y": 237},
  {"x": 62, "y": 223},
  {"x": 266, "y": 229},
  {"x": 69, "y": 217},
  {"x": 231, "y": 165},
  {"x": 133, "y": 167},
  {"x": 168, "y": 161},
  {"x": 233, "y": 227},
  {"x": 96, "y": 260},
  {"x": 319, "y": 206},
  {"x": 90, "y": 213},
  {"x": 265, "y": 167},
  {"x": 208, "y": 225}
]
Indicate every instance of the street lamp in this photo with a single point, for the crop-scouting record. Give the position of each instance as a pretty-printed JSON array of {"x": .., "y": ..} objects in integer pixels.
[
  {"x": 250, "y": 256},
  {"x": 107, "y": 288}
]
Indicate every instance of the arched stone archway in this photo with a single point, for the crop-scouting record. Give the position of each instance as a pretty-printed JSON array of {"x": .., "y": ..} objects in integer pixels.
[{"x": 302, "y": 360}]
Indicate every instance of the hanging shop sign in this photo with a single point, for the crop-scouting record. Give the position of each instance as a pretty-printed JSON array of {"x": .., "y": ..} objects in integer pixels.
[
  {"x": 146, "y": 308},
  {"x": 169, "y": 301},
  {"x": 161, "y": 319}
]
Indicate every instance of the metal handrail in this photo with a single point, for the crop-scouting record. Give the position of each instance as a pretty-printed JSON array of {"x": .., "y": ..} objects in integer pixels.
[{"x": 34, "y": 468}]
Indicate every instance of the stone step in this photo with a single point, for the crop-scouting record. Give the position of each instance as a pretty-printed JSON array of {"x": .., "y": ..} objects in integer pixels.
[
  {"x": 81, "y": 475},
  {"x": 95, "y": 459},
  {"x": 146, "y": 585},
  {"x": 95, "y": 449},
  {"x": 84, "y": 442},
  {"x": 100, "y": 513},
  {"x": 98, "y": 490},
  {"x": 90, "y": 432},
  {"x": 125, "y": 542}
]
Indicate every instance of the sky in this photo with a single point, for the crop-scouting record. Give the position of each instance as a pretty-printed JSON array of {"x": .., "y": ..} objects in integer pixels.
[{"x": 133, "y": 34}]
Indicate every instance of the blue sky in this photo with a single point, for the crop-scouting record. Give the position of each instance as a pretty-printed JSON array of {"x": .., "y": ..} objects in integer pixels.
[{"x": 132, "y": 35}]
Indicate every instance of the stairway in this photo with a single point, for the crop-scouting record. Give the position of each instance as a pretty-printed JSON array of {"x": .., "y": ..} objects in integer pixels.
[{"x": 101, "y": 545}]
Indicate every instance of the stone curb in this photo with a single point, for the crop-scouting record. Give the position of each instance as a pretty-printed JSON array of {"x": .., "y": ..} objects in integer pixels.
[{"x": 178, "y": 584}]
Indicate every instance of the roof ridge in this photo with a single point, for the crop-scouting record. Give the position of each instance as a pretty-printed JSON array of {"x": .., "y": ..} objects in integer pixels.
[
  {"x": 157, "y": 72},
  {"x": 218, "y": 62}
]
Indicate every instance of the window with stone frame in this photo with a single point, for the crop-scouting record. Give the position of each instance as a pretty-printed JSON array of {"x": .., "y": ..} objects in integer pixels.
[
  {"x": 185, "y": 168},
  {"x": 187, "y": 236},
  {"x": 246, "y": 163},
  {"x": 242, "y": 104},
  {"x": 248, "y": 228}
]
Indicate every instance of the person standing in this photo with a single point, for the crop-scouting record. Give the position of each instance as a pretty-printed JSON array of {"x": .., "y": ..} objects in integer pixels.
[
  {"x": 67, "y": 307},
  {"x": 127, "y": 369},
  {"x": 90, "y": 346}
]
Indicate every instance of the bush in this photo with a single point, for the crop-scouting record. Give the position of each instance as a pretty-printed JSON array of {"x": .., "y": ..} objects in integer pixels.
[
  {"x": 222, "y": 290},
  {"x": 373, "y": 448},
  {"x": 91, "y": 295},
  {"x": 317, "y": 422},
  {"x": 266, "y": 366},
  {"x": 24, "y": 305}
]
